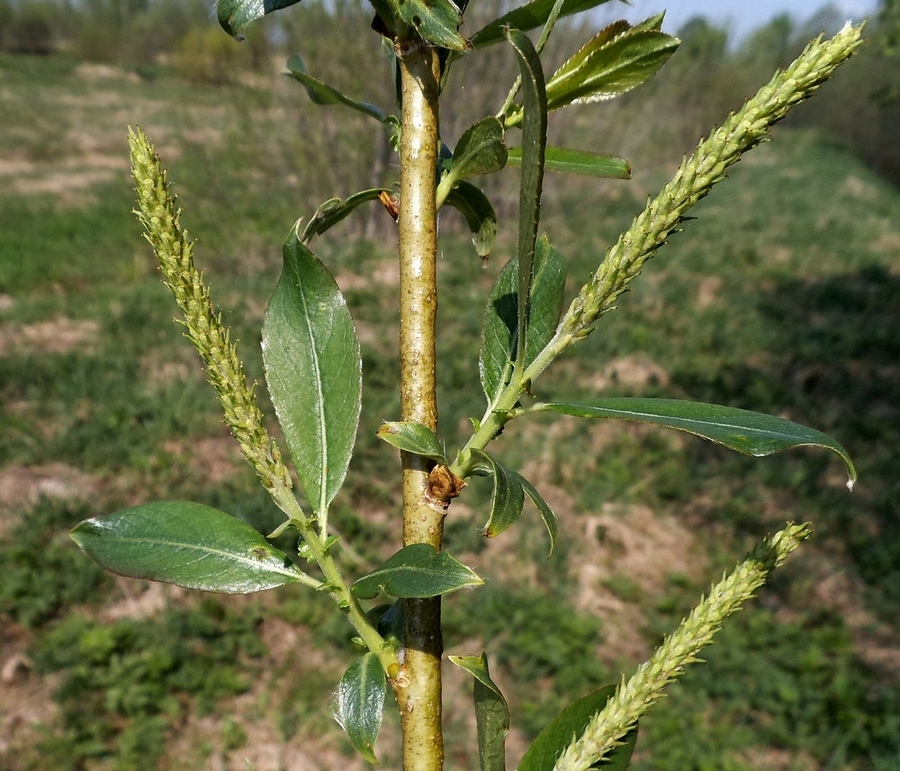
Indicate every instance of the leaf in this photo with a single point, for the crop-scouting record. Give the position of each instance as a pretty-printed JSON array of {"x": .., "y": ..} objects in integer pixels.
[
  {"x": 534, "y": 141},
  {"x": 314, "y": 372},
  {"x": 480, "y": 150},
  {"x": 436, "y": 21},
  {"x": 491, "y": 713},
  {"x": 499, "y": 327},
  {"x": 413, "y": 437},
  {"x": 550, "y": 521},
  {"x": 417, "y": 570},
  {"x": 578, "y": 162},
  {"x": 322, "y": 93},
  {"x": 234, "y": 15},
  {"x": 569, "y": 725},
  {"x": 480, "y": 216},
  {"x": 617, "y": 59},
  {"x": 334, "y": 210},
  {"x": 751, "y": 433},
  {"x": 507, "y": 498},
  {"x": 187, "y": 544},
  {"x": 527, "y": 17},
  {"x": 359, "y": 704}
]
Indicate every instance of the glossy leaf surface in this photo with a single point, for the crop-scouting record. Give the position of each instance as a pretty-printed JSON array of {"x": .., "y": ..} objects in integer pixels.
[
  {"x": 413, "y": 437},
  {"x": 417, "y": 570},
  {"x": 234, "y": 15},
  {"x": 529, "y": 16},
  {"x": 578, "y": 162},
  {"x": 322, "y": 93},
  {"x": 616, "y": 60},
  {"x": 359, "y": 704},
  {"x": 480, "y": 216},
  {"x": 187, "y": 544},
  {"x": 480, "y": 150},
  {"x": 507, "y": 497},
  {"x": 570, "y": 724},
  {"x": 534, "y": 141},
  {"x": 491, "y": 713},
  {"x": 751, "y": 433},
  {"x": 314, "y": 371},
  {"x": 334, "y": 210},
  {"x": 547, "y": 514},
  {"x": 437, "y": 21}
]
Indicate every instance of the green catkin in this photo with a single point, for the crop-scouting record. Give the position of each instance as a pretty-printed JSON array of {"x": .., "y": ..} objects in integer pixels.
[{"x": 633, "y": 698}]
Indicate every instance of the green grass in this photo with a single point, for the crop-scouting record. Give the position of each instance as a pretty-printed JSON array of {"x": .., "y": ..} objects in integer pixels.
[{"x": 782, "y": 297}]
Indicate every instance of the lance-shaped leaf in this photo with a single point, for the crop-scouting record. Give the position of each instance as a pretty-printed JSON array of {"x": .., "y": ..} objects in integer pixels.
[
  {"x": 617, "y": 59},
  {"x": 480, "y": 150},
  {"x": 507, "y": 498},
  {"x": 480, "y": 216},
  {"x": 547, "y": 514},
  {"x": 322, "y": 93},
  {"x": 534, "y": 140},
  {"x": 359, "y": 704},
  {"x": 314, "y": 372},
  {"x": 499, "y": 332},
  {"x": 418, "y": 570},
  {"x": 751, "y": 433},
  {"x": 334, "y": 210},
  {"x": 437, "y": 21},
  {"x": 491, "y": 713},
  {"x": 578, "y": 162},
  {"x": 570, "y": 724},
  {"x": 527, "y": 17},
  {"x": 187, "y": 544},
  {"x": 234, "y": 15},
  {"x": 413, "y": 437}
]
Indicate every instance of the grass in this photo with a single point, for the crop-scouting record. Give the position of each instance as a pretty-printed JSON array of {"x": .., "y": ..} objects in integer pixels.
[{"x": 782, "y": 297}]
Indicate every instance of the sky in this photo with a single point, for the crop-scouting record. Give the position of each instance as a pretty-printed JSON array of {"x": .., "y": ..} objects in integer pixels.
[{"x": 740, "y": 16}]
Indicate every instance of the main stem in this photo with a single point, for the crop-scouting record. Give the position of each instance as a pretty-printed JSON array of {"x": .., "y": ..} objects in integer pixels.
[{"x": 418, "y": 687}]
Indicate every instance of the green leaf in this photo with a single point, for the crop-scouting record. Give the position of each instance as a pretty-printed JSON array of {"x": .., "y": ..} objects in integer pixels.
[
  {"x": 578, "y": 162},
  {"x": 413, "y": 437},
  {"x": 437, "y": 21},
  {"x": 534, "y": 141},
  {"x": 417, "y": 570},
  {"x": 359, "y": 703},
  {"x": 322, "y": 93},
  {"x": 314, "y": 372},
  {"x": 234, "y": 15},
  {"x": 187, "y": 544},
  {"x": 527, "y": 17},
  {"x": 617, "y": 59},
  {"x": 334, "y": 210},
  {"x": 491, "y": 713},
  {"x": 499, "y": 328},
  {"x": 547, "y": 514},
  {"x": 569, "y": 725},
  {"x": 751, "y": 433},
  {"x": 507, "y": 498},
  {"x": 474, "y": 205},
  {"x": 480, "y": 150}
]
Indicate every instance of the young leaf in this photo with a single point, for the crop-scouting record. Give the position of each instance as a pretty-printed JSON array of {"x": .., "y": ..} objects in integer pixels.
[
  {"x": 413, "y": 437},
  {"x": 322, "y": 93},
  {"x": 187, "y": 544},
  {"x": 550, "y": 521},
  {"x": 480, "y": 150},
  {"x": 234, "y": 15},
  {"x": 569, "y": 724},
  {"x": 314, "y": 372},
  {"x": 751, "y": 433},
  {"x": 480, "y": 216},
  {"x": 491, "y": 713},
  {"x": 437, "y": 21},
  {"x": 527, "y": 17},
  {"x": 417, "y": 570},
  {"x": 499, "y": 328},
  {"x": 334, "y": 210},
  {"x": 616, "y": 60},
  {"x": 507, "y": 498},
  {"x": 578, "y": 162},
  {"x": 534, "y": 141},
  {"x": 359, "y": 704}
]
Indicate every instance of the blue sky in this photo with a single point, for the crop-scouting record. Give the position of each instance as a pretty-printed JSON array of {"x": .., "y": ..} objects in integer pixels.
[{"x": 741, "y": 16}]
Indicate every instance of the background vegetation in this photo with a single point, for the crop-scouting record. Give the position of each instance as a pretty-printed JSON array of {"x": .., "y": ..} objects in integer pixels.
[{"x": 783, "y": 298}]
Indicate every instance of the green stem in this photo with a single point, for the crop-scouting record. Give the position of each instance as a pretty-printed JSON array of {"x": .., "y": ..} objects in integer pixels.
[{"x": 418, "y": 688}]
